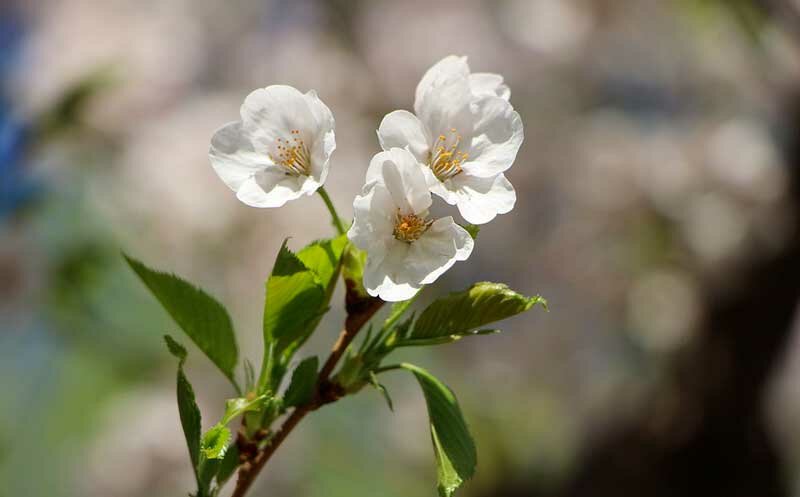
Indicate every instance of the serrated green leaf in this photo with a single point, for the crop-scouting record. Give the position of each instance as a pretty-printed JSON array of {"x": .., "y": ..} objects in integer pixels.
[
  {"x": 460, "y": 313},
  {"x": 453, "y": 446},
  {"x": 190, "y": 416},
  {"x": 198, "y": 314},
  {"x": 294, "y": 301},
  {"x": 188, "y": 411},
  {"x": 215, "y": 442},
  {"x": 304, "y": 379},
  {"x": 448, "y": 477}
]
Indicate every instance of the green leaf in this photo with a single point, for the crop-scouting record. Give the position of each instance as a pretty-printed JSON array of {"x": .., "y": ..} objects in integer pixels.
[
  {"x": 447, "y": 475},
  {"x": 304, "y": 379},
  {"x": 403, "y": 329},
  {"x": 205, "y": 452},
  {"x": 190, "y": 416},
  {"x": 324, "y": 258},
  {"x": 365, "y": 342},
  {"x": 249, "y": 376},
  {"x": 208, "y": 470},
  {"x": 353, "y": 262},
  {"x": 294, "y": 302},
  {"x": 455, "y": 452},
  {"x": 215, "y": 442},
  {"x": 241, "y": 405},
  {"x": 198, "y": 314},
  {"x": 373, "y": 380},
  {"x": 228, "y": 465},
  {"x": 418, "y": 342},
  {"x": 176, "y": 349},
  {"x": 472, "y": 229},
  {"x": 460, "y": 313},
  {"x": 188, "y": 411},
  {"x": 397, "y": 311}
]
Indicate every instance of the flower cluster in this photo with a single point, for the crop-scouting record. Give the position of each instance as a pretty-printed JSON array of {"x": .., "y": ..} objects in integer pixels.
[{"x": 463, "y": 135}]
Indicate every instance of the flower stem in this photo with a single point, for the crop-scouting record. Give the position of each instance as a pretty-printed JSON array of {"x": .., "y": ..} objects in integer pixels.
[{"x": 337, "y": 222}]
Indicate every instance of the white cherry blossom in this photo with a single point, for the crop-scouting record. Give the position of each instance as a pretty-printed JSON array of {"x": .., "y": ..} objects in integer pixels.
[
  {"x": 466, "y": 134},
  {"x": 405, "y": 248},
  {"x": 279, "y": 150}
]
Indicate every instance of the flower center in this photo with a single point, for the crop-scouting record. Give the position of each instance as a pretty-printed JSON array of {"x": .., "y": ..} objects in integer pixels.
[
  {"x": 293, "y": 155},
  {"x": 409, "y": 227},
  {"x": 445, "y": 158}
]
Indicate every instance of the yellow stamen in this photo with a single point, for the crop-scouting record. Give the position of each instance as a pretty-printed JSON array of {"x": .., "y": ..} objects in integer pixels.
[
  {"x": 409, "y": 227},
  {"x": 293, "y": 156},
  {"x": 446, "y": 161}
]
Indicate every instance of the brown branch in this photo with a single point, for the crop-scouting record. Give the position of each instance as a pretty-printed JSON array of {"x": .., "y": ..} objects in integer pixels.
[
  {"x": 352, "y": 325},
  {"x": 360, "y": 310},
  {"x": 250, "y": 469}
]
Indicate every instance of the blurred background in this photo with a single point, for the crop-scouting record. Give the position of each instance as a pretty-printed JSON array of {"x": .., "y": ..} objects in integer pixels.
[{"x": 657, "y": 211}]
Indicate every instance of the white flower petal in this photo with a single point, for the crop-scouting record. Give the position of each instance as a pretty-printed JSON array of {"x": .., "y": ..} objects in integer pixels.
[
  {"x": 375, "y": 168},
  {"x": 442, "y": 189},
  {"x": 497, "y": 136},
  {"x": 405, "y": 181},
  {"x": 308, "y": 184},
  {"x": 325, "y": 141},
  {"x": 485, "y": 84},
  {"x": 233, "y": 156},
  {"x": 443, "y": 72},
  {"x": 269, "y": 189},
  {"x": 272, "y": 112},
  {"x": 407, "y": 266},
  {"x": 322, "y": 114},
  {"x": 321, "y": 157},
  {"x": 396, "y": 270},
  {"x": 393, "y": 292},
  {"x": 402, "y": 129},
  {"x": 464, "y": 242},
  {"x": 448, "y": 107},
  {"x": 387, "y": 277},
  {"x": 438, "y": 249},
  {"x": 479, "y": 200},
  {"x": 373, "y": 219}
]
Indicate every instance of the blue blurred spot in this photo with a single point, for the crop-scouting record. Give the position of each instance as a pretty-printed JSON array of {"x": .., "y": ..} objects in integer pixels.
[{"x": 17, "y": 187}]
